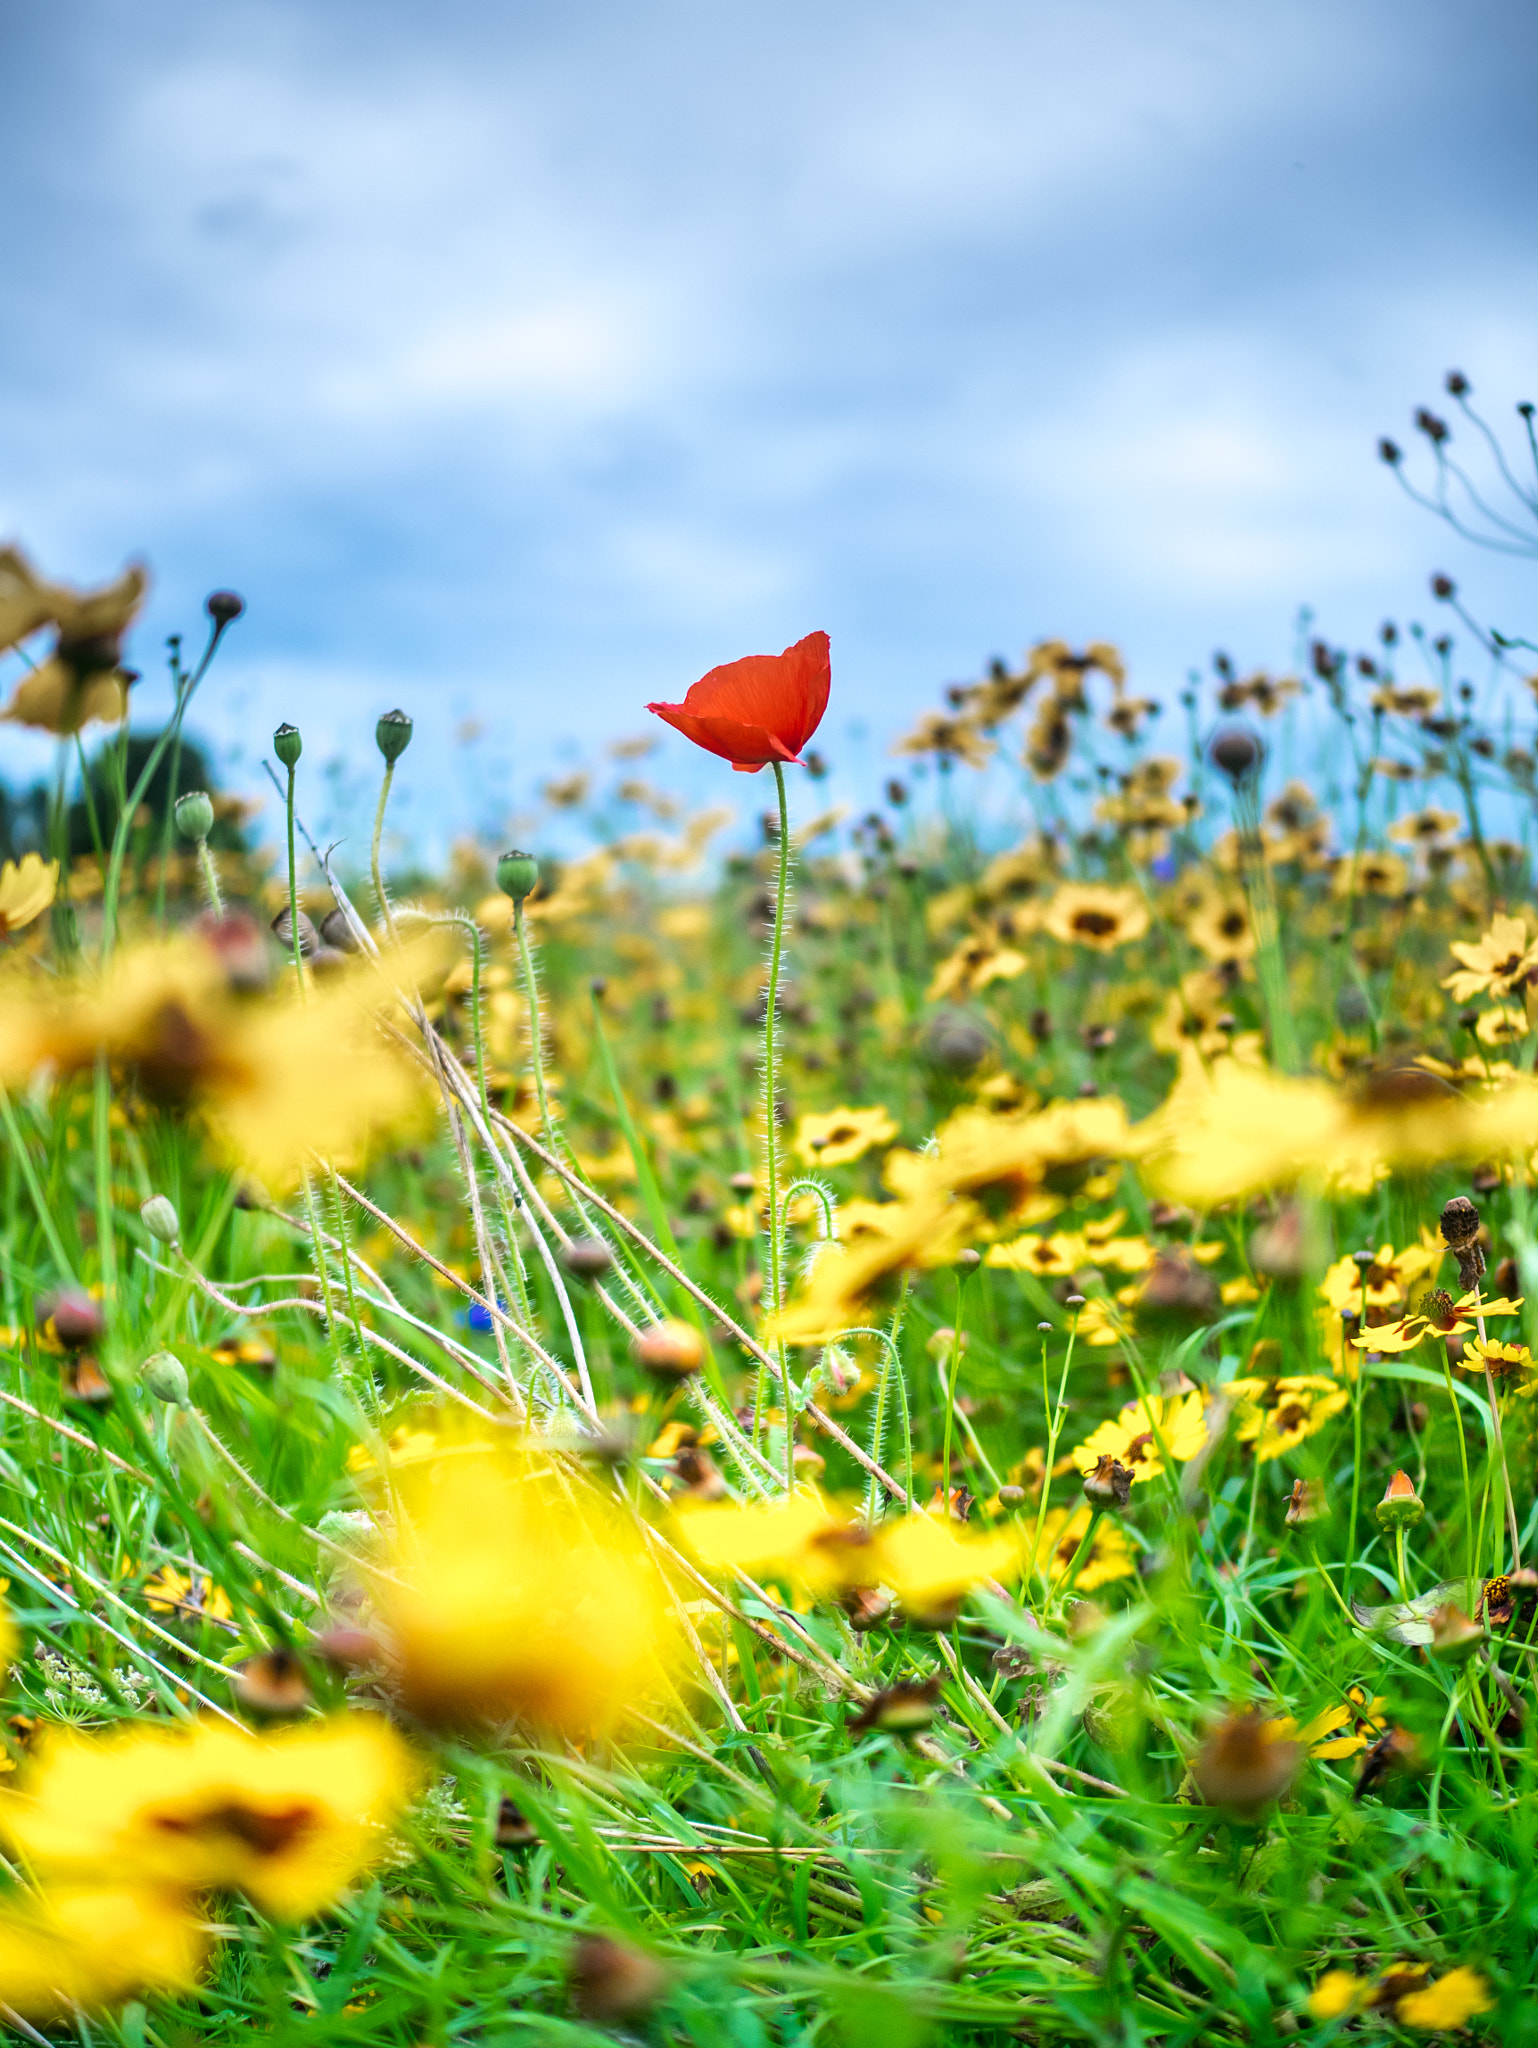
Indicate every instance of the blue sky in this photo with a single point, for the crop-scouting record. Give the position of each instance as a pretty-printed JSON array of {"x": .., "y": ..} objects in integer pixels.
[{"x": 520, "y": 362}]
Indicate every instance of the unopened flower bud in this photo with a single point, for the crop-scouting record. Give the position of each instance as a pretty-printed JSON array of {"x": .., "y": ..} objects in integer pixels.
[
  {"x": 1401, "y": 1506},
  {"x": 160, "y": 1219},
  {"x": 287, "y": 745},
  {"x": 612, "y": 1981},
  {"x": 906, "y": 1708},
  {"x": 194, "y": 814},
  {"x": 1443, "y": 587},
  {"x": 516, "y": 874},
  {"x": 224, "y": 607},
  {"x": 669, "y": 1350},
  {"x": 166, "y": 1377},
  {"x": 337, "y": 933},
  {"x": 392, "y": 735},
  {"x": 283, "y": 932},
  {"x": 1011, "y": 1496},
  {"x": 1306, "y": 1503},
  {"x": 1109, "y": 1486},
  {"x": 271, "y": 1684},
  {"x": 1238, "y": 752},
  {"x": 1454, "y": 1636},
  {"x": 587, "y": 1258}
]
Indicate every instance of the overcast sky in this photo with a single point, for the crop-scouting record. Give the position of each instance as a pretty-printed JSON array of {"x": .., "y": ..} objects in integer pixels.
[{"x": 524, "y": 361}]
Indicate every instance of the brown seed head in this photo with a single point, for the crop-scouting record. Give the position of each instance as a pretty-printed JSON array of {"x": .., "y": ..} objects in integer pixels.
[
  {"x": 514, "y": 1829},
  {"x": 587, "y": 1258},
  {"x": 1109, "y": 1485},
  {"x": 669, "y": 1350},
  {"x": 1306, "y": 1503},
  {"x": 1243, "y": 1767},
  {"x": 906, "y": 1708},
  {"x": 1460, "y": 1223}
]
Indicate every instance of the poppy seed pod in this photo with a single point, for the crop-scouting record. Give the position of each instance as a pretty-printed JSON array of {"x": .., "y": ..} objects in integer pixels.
[
  {"x": 392, "y": 735},
  {"x": 337, "y": 933},
  {"x": 669, "y": 1350},
  {"x": 1401, "y": 1506},
  {"x": 160, "y": 1219},
  {"x": 287, "y": 745},
  {"x": 224, "y": 607},
  {"x": 1238, "y": 752},
  {"x": 194, "y": 814},
  {"x": 517, "y": 874},
  {"x": 587, "y": 1258},
  {"x": 283, "y": 932},
  {"x": 166, "y": 1377}
]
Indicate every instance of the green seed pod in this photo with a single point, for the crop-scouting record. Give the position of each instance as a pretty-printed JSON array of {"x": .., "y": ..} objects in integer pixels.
[
  {"x": 160, "y": 1219},
  {"x": 166, "y": 1378},
  {"x": 287, "y": 744},
  {"x": 516, "y": 874},
  {"x": 392, "y": 735},
  {"x": 194, "y": 814}
]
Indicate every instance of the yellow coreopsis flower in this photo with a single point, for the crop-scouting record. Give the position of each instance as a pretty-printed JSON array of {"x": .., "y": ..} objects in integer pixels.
[
  {"x": 929, "y": 1563},
  {"x": 926, "y": 1231},
  {"x": 1050, "y": 1258},
  {"x": 1130, "y": 1438},
  {"x": 287, "y": 1819},
  {"x": 81, "y": 680},
  {"x": 84, "y": 1947},
  {"x": 520, "y": 1592},
  {"x": 1319, "y": 1735},
  {"x": 979, "y": 959},
  {"x": 803, "y": 1537},
  {"x": 1110, "y": 1556},
  {"x": 26, "y": 890},
  {"x": 1496, "y": 964},
  {"x": 1220, "y": 927},
  {"x": 1276, "y": 1416},
  {"x": 1090, "y": 914},
  {"x": 842, "y": 1136}
]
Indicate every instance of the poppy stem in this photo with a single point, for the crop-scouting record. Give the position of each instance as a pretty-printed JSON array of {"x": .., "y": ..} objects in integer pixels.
[
  {"x": 293, "y": 886},
  {"x": 772, "y": 1136},
  {"x": 379, "y": 817}
]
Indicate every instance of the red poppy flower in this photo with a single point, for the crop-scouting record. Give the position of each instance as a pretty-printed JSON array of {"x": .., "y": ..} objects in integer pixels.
[{"x": 764, "y": 708}]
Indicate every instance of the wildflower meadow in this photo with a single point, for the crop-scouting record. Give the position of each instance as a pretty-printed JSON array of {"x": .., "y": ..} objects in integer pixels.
[{"x": 872, "y": 1430}]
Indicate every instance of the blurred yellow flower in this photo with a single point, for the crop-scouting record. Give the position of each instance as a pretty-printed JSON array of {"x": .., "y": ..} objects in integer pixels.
[
  {"x": 170, "y": 1591},
  {"x": 980, "y": 959},
  {"x": 1319, "y": 1736},
  {"x": 288, "y": 1819},
  {"x": 1050, "y": 1258},
  {"x": 1090, "y": 914},
  {"x": 81, "y": 680},
  {"x": 803, "y": 1536},
  {"x": 1110, "y": 1555},
  {"x": 1219, "y": 926},
  {"x": 522, "y": 1594},
  {"x": 1178, "y": 1418},
  {"x": 1449, "y": 2002},
  {"x": 87, "y": 1948},
  {"x": 1276, "y": 1415},
  {"x": 26, "y": 890},
  {"x": 837, "y": 1293},
  {"x": 842, "y": 1136},
  {"x": 929, "y": 1563},
  {"x": 1336, "y": 1993}
]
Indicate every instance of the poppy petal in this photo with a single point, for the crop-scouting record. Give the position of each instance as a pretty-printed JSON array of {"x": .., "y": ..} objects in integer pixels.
[{"x": 762, "y": 708}]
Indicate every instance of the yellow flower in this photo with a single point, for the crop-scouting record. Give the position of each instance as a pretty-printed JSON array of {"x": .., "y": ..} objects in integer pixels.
[
  {"x": 1178, "y": 1418},
  {"x": 1197, "y": 1014},
  {"x": 1278, "y": 1417},
  {"x": 169, "y": 1591},
  {"x": 81, "y": 679},
  {"x": 1336, "y": 1993},
  {"x": 1501, "y": 1361},
  {"x": 287, "y": 1819},
  {"x": 843, "y": 1136},
  {"x": 928, "y": 1563},
  {"x": 927, "y": 1231},
  {"x": 1425, "y": 828},
  {"x": 1109, "y": 1556},
  {"x": 1494, "y": 966},
  {"x": 977, "y": 961},
  {"x": 521, "y": 1592},
  {"x": 405, "y": 1446},
  {"x": 803, "y": 1537},
  {"x": 1318, "y": 1736},
  {"x": 1438, "y": 1316},
  {"x": 1090, "y": 914},
  {"x": 1051, "y": 1258},
  {"x": 1501, "y": 1026},
  {"x": 26, "y": 891},
  {"x": 90, "y": 1948},
  {"x": 1448, "y": 2002},
  {"x": 1386, "y": 1282},
  {"x": 1371, "y": 874},
  {"x": 1220, "y": 927},
  {"x": 1009, "y": 1162}
]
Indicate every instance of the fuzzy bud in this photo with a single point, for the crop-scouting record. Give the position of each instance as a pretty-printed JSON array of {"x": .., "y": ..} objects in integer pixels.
[
  {"x": 166, "y": 1377},
  {"x": 669, "y": 1350},
  {"x": 392, "y": 735},
  {"x": 517, "y": 874},
  {"x": 287, "y": 745},
  {"x": 194, "y": 814},
  {"x": 160, "y": 1219}
]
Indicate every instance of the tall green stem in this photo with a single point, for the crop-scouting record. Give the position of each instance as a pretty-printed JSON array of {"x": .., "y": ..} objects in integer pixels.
[
  {"x": 379, "y": 892},
  {"x": 536, "y": 1026},
  {"x": 772, "y": 1133},
  {"x": 293, "y": 889}
]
